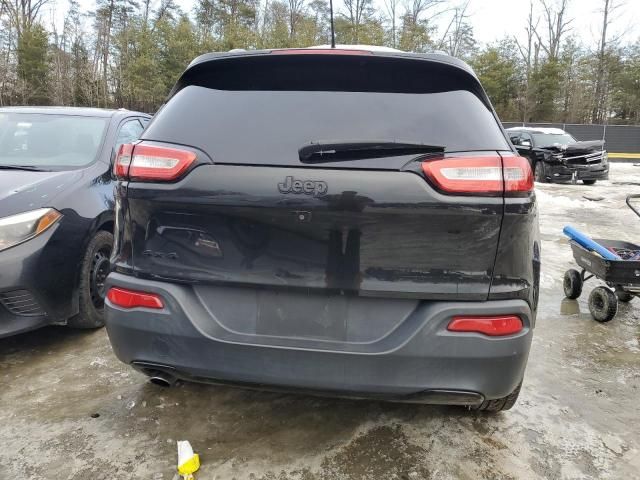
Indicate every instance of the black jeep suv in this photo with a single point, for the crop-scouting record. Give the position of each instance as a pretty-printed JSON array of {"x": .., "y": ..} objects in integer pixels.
[{"x": 352, "y": 222}]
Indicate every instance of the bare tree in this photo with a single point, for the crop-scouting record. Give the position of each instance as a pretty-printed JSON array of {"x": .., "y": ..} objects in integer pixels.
[
  {"x": 6, "y": 37},
  {"x": 417, "y": 23},
  {"x": 357, "y": 11},
  {"x": 529, "y": 53},
  {"x": 457, "y": 32},
  {"x": 104, "y": 23},
  {"x": 417, "y": 8},
  {"x": 22, "y": 13},
  {"x": 296, "y": 8},
  {"x": 392, "y": 8},
  {"x": 557, "y": 26},
  {"x": 600, "y": 94}
]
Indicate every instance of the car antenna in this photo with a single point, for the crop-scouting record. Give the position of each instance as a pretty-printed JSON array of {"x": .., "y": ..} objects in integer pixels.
[{"x": 333, "y": 33}]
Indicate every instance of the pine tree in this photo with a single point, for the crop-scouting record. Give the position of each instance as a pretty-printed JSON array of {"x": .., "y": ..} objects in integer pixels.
[{"x": 33, "y": 71}]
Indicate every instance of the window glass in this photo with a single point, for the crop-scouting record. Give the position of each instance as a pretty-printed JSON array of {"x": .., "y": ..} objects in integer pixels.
[
  {"x": 129, "y": 132},
  {"x": 50, "y": 141},
  {"x": 551, "y": 139},
  {"x": 269, "y": 127}
]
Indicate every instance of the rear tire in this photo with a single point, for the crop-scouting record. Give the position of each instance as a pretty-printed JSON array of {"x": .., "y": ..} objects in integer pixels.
[
  {"x": 572, "y": 284},
  {"x": 500, "y": 404},
  {"x": 603, "y": 304},
  {"x": 539, "y": 173},
  {"x": 93, "y": 272},
  {"x": 588, "y": 182}
]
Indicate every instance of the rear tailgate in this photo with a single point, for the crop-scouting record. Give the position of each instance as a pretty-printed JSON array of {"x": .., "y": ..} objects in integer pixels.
[{"x": 253, "y": 214}]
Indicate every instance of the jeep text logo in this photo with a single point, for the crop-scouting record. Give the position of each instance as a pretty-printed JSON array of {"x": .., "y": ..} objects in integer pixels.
[{"x": 308, "y": 187}]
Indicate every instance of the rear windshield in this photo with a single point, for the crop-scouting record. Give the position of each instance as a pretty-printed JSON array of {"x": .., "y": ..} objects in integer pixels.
[
  {"x": 49, "y": 141},
  {"x": 266, "y": 121}
]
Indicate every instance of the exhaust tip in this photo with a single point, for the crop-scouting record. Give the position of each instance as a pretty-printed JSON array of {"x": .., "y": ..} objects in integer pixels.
[
  {"x": 161, "y": 375},
  {"x": 162, "y": 379}
]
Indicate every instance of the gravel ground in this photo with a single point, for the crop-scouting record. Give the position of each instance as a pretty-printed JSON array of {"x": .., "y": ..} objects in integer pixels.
[{"x": 70, "y": 410}]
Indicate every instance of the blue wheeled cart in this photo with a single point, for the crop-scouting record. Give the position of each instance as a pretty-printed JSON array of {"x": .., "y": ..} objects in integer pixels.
[{"x": 614, "y": 262}]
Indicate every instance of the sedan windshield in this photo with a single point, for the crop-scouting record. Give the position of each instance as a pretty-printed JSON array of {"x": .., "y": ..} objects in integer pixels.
[
  {"x": 542, "y": 140},
  {"x": 49, "y": 141}
]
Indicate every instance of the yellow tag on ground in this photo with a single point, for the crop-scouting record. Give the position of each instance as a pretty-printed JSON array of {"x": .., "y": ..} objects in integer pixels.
[
  {"x": 188, "y": 461},
  {"x": 190, "y": 466}
]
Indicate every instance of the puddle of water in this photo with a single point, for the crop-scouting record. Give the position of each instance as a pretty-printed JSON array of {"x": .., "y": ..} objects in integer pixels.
[{"x": 569, "y": 307}]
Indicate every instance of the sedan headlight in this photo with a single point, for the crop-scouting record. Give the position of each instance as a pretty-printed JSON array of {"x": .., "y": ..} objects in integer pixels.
[{"x": 25, "y": 226}]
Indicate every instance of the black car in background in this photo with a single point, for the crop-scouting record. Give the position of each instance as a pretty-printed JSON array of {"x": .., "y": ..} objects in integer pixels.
[
  {"x": 353, "y": 222},
  {"x": 557, "y": 156},
  {"x": 56, "y": 212}
]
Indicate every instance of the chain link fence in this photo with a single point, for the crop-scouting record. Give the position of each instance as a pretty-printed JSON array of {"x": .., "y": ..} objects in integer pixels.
[{"x": 622, "y": 141}]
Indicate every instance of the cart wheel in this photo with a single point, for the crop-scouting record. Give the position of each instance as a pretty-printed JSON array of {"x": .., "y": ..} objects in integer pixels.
[
  {"x": 623, "y": 296},
  {"x": 572, "y": 284},
  {"x": 603, "y": 304}
]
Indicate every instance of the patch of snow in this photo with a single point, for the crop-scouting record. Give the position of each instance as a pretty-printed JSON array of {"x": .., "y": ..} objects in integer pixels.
[
  {"x": 633, "y": 344},
  {"x": 100, "y": 362},
  {"x": 559, "y": 203}
]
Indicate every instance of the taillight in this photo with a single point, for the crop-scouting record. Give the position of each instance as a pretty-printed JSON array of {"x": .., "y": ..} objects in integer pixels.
[
  {"x": 152, "y": 163},
  {"x": 518, "y": 176},
  {"x": 493, "y": 326},
  {"x": 132, "y": 299},
  {"x": 485, "y": 175},
  {"x": 123, "y": 160}
]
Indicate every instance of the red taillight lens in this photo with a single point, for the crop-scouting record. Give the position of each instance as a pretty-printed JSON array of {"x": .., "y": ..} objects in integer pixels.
[
  {"x": 466, "y": 174},
  {"x": 123, "y": 160},
  {"x": 132, "y": 299},
  {"x": 486, "y": 175},
  {"x": 151, "y": 163},
  {"x": 518, "y": 176},
  {"x": 493, "y": 326}
]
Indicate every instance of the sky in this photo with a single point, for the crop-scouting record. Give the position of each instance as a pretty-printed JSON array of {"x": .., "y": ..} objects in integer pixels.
[{"x": 492, "y": 20}]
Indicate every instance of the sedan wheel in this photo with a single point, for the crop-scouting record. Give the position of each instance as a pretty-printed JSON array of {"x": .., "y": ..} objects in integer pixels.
[{"x": 93, "y": 274}]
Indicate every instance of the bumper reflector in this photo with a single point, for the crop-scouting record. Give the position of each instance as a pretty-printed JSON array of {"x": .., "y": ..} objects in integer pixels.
[
  {"x": 132, "y": 299},
  {"x": 493, "y": 326}
]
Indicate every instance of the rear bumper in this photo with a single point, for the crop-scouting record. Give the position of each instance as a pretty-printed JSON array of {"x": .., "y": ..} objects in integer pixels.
[{"x": 419, "y": 361}]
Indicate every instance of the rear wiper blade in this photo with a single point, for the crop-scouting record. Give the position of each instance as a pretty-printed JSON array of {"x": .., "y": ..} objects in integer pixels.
[
  {"x": 318, "y": 152},
  {"x": 30, "y": 168}
]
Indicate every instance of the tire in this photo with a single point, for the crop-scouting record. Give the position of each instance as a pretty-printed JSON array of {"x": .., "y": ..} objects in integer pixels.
[
  {"x": 603, "y": 304},
  {"x": 93, "y": 271},
  {"x": 538, "y": 172},
  {"x": 623, "y": 296},
  {"x": 572, "y": 284},
  {"x": 500, "y": 404},
  {"x": 589, "y": 182}
]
